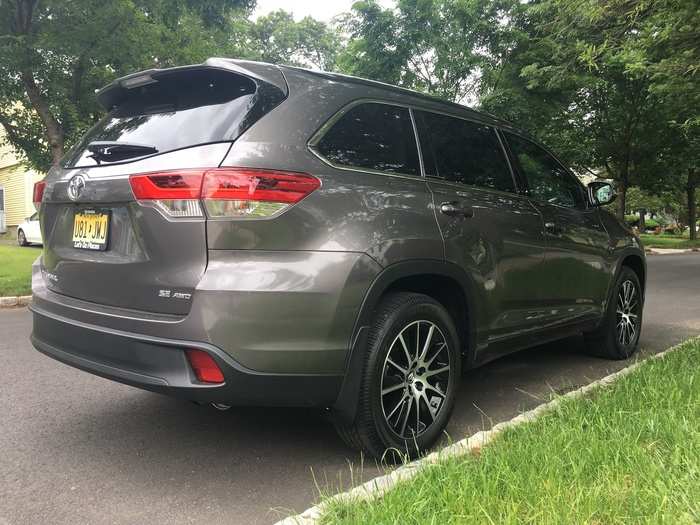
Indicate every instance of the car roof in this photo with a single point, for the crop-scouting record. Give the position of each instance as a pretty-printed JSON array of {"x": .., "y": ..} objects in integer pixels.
[
  {"x": 274, "y": 74},
  {"x": 446, "y": 105}
]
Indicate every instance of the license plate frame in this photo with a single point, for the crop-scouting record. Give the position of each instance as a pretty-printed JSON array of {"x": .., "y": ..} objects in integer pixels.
[{"x": 94, "y": 234}]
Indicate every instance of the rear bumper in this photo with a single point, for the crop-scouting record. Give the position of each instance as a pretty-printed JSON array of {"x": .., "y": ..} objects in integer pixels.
[
  {"x": 160, "y": 365},
  {"x": 272, "y": 312}
]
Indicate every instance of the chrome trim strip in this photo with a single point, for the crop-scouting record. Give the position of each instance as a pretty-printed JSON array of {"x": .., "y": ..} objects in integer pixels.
[{"x": 417, "y": 138}]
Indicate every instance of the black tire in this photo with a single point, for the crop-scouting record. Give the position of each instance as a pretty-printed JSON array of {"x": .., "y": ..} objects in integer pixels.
[
  {"x": 21, "y": 238},
  {"x": 609, "y": 341},
  {"x": 420, "y": 376}
]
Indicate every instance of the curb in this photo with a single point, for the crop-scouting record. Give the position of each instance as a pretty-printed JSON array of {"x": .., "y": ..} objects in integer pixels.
[
  {"x": 376, "y": 487},
  {"x": 670, "y": 251},
  {"x": 14, "y": 301}
]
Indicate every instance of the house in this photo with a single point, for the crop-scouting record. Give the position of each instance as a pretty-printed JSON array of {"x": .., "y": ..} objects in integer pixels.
[{"x": 16, "y": 187}]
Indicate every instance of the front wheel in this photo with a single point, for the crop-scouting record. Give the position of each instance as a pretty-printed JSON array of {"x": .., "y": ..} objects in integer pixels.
[
  {"x": 412, "y": 367},
  {"x": 618, "y": 335},
  {"x": 21, "y": 238}
]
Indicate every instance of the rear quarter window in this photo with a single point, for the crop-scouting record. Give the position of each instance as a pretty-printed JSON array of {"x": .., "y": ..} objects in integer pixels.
[{"x": 372, "y": 136}]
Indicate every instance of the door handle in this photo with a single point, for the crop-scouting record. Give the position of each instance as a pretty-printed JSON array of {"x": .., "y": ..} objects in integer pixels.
[
  {"x": 553, "y": 228},
  {"x": 455, "y": 209}
]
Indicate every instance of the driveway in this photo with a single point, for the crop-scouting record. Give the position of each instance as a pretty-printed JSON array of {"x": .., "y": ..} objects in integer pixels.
[{"x": 81, "y": 449}]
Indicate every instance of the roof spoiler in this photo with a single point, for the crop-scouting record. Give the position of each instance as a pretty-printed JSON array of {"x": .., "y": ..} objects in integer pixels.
[{"x": 110, "y": 95}]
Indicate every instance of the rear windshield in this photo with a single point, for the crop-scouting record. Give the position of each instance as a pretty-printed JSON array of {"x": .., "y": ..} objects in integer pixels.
[{"x": 181, "y": 109}]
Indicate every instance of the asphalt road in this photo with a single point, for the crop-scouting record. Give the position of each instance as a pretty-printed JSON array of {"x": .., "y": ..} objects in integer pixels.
[{"x": 76, "y": 449}]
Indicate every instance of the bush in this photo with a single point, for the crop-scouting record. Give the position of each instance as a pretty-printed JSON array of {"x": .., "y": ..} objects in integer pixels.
[
  {"x": 651, "y": 224},
  {"x": 632, "y": 220}
]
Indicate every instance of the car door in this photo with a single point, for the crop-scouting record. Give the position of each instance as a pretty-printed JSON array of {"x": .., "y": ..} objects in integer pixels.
[
  {"x": 491, "y": 231},
  {"x": 33, "y": 232},
  {"x": 577, "y": 242}
]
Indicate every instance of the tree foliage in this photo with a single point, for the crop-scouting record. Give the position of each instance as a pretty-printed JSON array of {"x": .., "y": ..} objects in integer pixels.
[
  {"x": 54, "y": 54},
  {"x": 278, "y": 38},
  {"x": 603, "y": 83},
  {"x": 436, "y": 46}
]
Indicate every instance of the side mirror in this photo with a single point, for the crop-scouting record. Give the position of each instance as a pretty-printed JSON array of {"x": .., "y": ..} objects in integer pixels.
[{"x": 601, "y": 193}]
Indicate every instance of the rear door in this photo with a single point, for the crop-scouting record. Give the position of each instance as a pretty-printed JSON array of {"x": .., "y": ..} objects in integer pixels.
[
  {"x": 104, "y": 245},
  {"x": 576, "y": 240},
  {"x": 490, "y": 230}
]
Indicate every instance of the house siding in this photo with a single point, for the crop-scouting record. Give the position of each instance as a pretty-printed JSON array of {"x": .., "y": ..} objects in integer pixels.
[{"x": 18, "y": 184}]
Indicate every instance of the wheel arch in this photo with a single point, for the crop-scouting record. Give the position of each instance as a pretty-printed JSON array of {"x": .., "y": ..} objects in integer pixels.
[
  {"x": 636, "y": 263},
  {"x": 445, "y": 282}
]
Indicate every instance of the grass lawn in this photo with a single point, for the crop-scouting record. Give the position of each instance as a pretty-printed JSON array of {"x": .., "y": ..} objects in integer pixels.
[
  {"x": 16, "y": 269},
  {"x": 668, "y": 241},
  {"x": 629, "y": 453}
]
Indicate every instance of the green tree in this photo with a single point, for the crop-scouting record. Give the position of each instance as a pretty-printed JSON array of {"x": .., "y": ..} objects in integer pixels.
[
  {"x": 436, "y": 46},
  {"x": 584, "y": 67},
  {"x": 54, "y": 54},
  {"x": 671, "y": 40},
  {"x": 278, "y": 38},
  {"x": 667, "y": 202}
]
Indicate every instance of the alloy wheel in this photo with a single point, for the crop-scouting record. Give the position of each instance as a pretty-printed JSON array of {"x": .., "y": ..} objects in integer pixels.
[
  {"x": 628, "y": 309},
  {"x": 415, "y": 378}
]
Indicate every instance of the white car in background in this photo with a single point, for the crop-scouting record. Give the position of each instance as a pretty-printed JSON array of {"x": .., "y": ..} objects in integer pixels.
[{"x": 28, "y": 232}]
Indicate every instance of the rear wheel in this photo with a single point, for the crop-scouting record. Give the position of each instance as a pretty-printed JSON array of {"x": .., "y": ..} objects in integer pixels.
[
  {"x": 411, "y": 371},
  {"x": 21, "y": 238},
  {"x": 618, "y": 335}
]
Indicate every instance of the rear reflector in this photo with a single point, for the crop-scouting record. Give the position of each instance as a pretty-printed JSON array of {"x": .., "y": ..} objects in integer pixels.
[
  {"x": 204, "y": 367},
  {"x": 225, "y": 192},
  {"x": 38, "y": 194}
]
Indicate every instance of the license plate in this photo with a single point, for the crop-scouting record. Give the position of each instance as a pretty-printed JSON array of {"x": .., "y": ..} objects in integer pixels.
[{"x": 90, "y": 230}]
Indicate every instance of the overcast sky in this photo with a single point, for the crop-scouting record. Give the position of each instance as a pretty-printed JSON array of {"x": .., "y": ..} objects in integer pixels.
[{"x": 319, "y": 9}]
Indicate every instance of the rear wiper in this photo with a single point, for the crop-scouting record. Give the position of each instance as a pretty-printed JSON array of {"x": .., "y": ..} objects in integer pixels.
[{"x": 111, "y": 151}]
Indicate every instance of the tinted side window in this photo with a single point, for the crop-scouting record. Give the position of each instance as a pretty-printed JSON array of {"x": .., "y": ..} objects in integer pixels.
[
  {"x": 373, "y": 136},
  {"x": 548, "y": 180},
  {"x": 462, "y": 151}
]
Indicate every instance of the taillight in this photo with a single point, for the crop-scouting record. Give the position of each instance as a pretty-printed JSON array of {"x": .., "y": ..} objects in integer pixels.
[
  {"x": 225, "y": 192},
  {"x": 253, "y": 193},
  {"x": 38, "y": 194},
  {"x": 205, "y": 368},
  {"x": 175, "y": 193}
]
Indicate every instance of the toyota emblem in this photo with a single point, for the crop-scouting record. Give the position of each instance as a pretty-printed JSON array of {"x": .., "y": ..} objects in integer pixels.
[{"x": 75, "y": 187}]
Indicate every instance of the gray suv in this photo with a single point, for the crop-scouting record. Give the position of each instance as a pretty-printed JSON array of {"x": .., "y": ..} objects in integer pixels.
[{"x": 240, "y": 233}]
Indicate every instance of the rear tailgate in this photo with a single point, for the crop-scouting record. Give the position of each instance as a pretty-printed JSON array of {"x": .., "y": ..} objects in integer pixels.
[{"x": 103, "y": 245}]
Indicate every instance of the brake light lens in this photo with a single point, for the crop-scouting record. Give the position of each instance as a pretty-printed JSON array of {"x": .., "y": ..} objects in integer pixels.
[
  {"x": 172, "y": 185},
  {"x": 174, "y": 193},
  {"x": 205, "y": 368},
  {"x": 225, "y": 192},
  {"x": 38, "y": 194}
]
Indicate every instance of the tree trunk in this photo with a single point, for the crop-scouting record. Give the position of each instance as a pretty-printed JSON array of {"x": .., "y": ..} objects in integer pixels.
[
  {"x": 621, "y": 200},
  {"x": 692, "y": 202},
  {"x": 53, "y": 129},
  {"x": 642, "y": 220}
]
